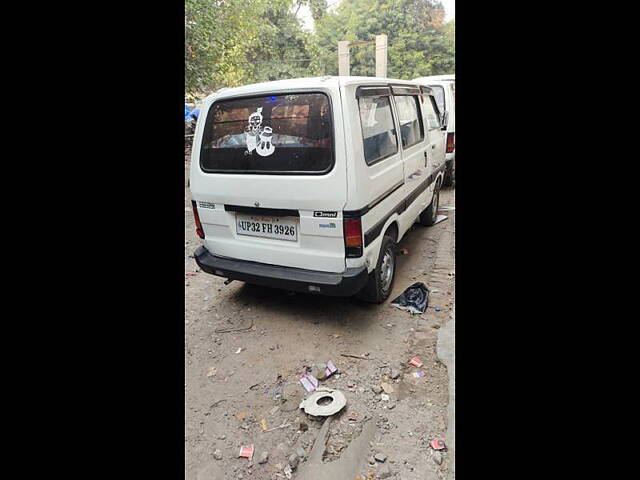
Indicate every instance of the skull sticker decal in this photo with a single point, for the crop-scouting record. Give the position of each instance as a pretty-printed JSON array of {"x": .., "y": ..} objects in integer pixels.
[{"x": 258, "y": 137}]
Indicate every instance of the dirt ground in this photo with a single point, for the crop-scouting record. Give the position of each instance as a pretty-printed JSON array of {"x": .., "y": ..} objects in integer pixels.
[{"x": 235, "y": 380}]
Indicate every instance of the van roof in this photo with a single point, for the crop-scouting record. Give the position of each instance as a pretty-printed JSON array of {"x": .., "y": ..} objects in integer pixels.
[
  {"x": 427, "y": 81},
  {"x": 308, "y": 82},
  {"x": 447, "y": 78}
]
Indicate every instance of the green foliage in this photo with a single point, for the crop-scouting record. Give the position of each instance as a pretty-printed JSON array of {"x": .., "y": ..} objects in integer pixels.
[
  {"x": 218, "y": 36},
  {"x": 418, "y": 42},
  {"x": 318, "y": 8},
  {"x": 281, "y": 50},
  {"x": 236, "y": 42}
]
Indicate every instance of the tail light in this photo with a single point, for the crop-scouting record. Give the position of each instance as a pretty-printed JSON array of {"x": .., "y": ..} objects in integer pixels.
[
  {"x": 352, "y": 228},
  {"x": 451, "y": 142},
  {"x": 196, "y": 217}
]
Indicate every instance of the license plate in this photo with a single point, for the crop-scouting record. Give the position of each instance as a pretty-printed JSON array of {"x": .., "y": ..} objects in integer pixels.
[{"x": 267, "y": 227}]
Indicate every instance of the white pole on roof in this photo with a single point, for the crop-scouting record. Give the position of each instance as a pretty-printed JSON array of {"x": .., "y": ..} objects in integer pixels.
[
  {"x": 381, "y": 56},
  {"x": 344, "y": 55},
  {"x": 343, "y": 58}
]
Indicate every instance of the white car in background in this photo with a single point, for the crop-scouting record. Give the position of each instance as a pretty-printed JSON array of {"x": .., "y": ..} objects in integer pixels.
[{"x": 444, "y": 90}]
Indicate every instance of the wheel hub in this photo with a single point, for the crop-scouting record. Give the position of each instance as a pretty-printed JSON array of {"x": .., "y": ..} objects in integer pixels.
[{"x": 386, "y": 270}]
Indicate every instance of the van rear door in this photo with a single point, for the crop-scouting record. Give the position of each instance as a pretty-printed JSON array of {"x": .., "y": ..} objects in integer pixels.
[{"x": 269, "y": 180}]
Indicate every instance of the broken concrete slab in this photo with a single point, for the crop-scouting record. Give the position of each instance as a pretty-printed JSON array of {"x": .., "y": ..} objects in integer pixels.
[
  {"x": 447, "y": 354},
  {"x": 350, "y": 462}
]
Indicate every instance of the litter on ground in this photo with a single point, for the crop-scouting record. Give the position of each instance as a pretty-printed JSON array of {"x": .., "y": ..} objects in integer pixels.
[
  {"x": 246, "y": 452},
  {"x": 438, "y": 444},
  {"x": 331, "y": 368},
  {"x": 416, "y": 362},
  {"x": 414, "y": 299},
  {"x": 324, "y": 402},
  {"x": 309, "y": 382}
]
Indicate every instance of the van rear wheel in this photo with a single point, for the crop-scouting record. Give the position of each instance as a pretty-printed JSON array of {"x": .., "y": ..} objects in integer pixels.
[
  {"x": 380, "y": 281},
  {"x": 449, "y": 174},
  {"x": 428, "y": 217}
]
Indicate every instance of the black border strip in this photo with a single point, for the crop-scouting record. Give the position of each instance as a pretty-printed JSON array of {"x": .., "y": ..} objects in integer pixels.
[
  {"x": 391, "y": 191},
  {"x": 273, "y": 212},
  {"x": 326, "y": 93},
  {"x": 364, "y": 91},
  {"x": 405, "y": 90},
  {"x": 364, "y": 210},
  {"x": 375, "y": 231},
  {"x": 426, "y": 90}
]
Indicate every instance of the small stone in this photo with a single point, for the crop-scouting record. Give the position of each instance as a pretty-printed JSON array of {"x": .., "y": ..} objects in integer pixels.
[
  {"x": 380, "y": 457},
  {"x": 377, "y": 389},
  {"x": 391, "y": 406},
  {"x": 372, "y": 460},
  {"x": 319, "y": 371},
  {"x": 287, "y": 471},
  {"x": 222, "y": 437},
  {"x": 264, "y": 457},
  {"x": 437, "y": 457},
  {"x": 300, "y": 425},
  {"x": 217, "y": 454},
  {"x": 385, "y": 472},
  {"x": 395, "y": 373},
  {"x": 300, "y": 452},
  {"x": 293, "y": 461},
  {"x": 384, "y": 397}
]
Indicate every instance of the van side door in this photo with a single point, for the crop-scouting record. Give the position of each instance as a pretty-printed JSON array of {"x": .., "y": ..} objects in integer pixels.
[
  {"x": 412, "y": 139},
  {"x": 383, "y": 174},
  {"x": 435, "y": 135}
]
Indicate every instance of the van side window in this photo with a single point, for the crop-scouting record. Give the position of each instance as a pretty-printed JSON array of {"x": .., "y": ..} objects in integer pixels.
[
  {"x": 438, "y": 92},
  {"x": 411, "y": 129},
  {"x": 378, "y": 130},
  {"x": 430, "y": 111}
]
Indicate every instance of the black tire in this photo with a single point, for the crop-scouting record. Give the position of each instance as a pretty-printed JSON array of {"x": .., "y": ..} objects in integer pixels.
[
  {"x": 449, "y": 174},
  {"x": 377, "y": 290},
  {"x": 429, "y": 215}
]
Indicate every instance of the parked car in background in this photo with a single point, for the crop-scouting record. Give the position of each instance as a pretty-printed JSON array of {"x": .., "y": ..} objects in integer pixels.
[
  {"x": 309, "y": 184},
  {"x": 444, "y": 89}
]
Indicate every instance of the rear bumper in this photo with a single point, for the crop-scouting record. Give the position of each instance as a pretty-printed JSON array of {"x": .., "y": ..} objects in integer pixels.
[{"x": 344, "y": 284}]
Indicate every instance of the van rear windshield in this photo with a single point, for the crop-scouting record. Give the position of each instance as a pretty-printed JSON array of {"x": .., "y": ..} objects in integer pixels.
[{"x": 274, "y": 134}]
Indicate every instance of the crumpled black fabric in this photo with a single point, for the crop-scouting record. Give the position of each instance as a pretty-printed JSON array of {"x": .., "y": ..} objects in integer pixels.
[{"x": 414, "y": 299}]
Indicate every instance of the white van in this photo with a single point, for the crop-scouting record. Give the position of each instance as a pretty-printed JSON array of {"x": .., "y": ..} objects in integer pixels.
[
  {"x": 444, "y": 89},
  {"x": 309, "y": 184}
]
